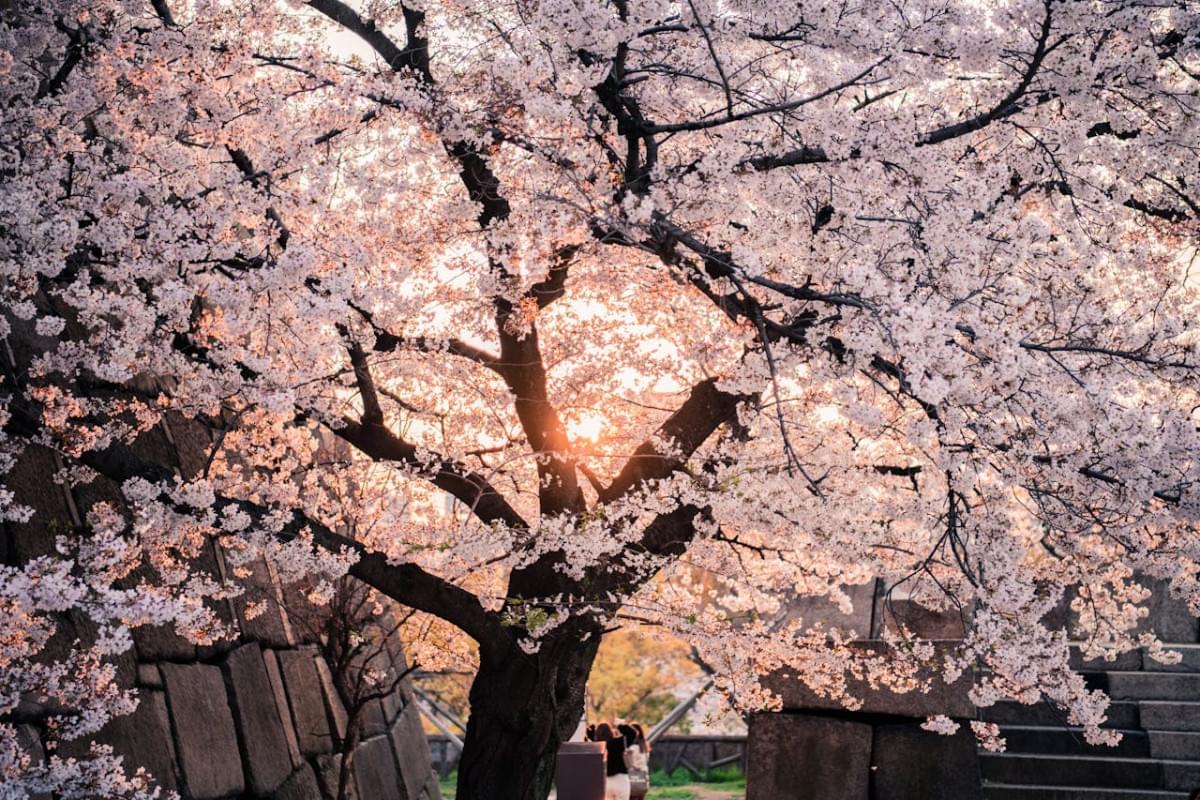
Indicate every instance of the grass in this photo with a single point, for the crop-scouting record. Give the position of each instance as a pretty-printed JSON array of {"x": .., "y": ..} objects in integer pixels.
[
  {"x": 448, "y": 785},
  {"x": 671, "y": 793},
  {"x": 683, "y": 785},
  {"x": 723, "y": 779},
  {"x": 678, "y": 785}
]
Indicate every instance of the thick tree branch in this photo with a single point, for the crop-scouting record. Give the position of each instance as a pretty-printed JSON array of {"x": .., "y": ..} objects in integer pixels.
[
  {"x": 414, "y": 55},
  {"x": 468, "y": 487},
  {"x": 74, "y": 54},
  {"x": 520, "y": 362},
  {"x": 1010, "y": 104},
  {"x": 554, "y": 285},
  {"x": 405, "y": 583},
  {"x": 706, "y": 408}
]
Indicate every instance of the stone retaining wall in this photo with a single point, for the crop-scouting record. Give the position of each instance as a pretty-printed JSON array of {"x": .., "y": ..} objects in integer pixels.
[{"x": 256, "y": 717}]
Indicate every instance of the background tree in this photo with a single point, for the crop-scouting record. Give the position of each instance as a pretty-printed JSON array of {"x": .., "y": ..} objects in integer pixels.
[
  {"x": 637, "y": 676},
  {"x": 357, "y": 632},
  {"x": 796, "y": 295}
]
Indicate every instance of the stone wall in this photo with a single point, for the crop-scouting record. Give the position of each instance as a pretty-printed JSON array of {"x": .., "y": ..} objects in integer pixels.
[
  {"x": 816, "y": 749},
  {"x": 256, "y": 717}
]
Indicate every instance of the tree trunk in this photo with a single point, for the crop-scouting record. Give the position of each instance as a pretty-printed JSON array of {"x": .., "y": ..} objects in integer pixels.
[{"x": 522, "y": 707}]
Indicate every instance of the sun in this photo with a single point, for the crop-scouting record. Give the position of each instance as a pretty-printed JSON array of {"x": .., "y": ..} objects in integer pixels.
[{"x": 586, "y": 426}]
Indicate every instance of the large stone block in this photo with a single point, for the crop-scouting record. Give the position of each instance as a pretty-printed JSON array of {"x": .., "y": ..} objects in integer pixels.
[
  {"x": 823, "y": 611},
  {"x": 1189, "y": 660},
  {"x": 941, "y": 698},
  {"x": 267, "y": 761},
  {"x": 192, "y": 440},
  {"x": 149, "y": 676},
  {"x": 268, "y": 627},
  {"x": 31, "y": 742},
  {"x": 333, "y": 701},
  {"x": 1175, "y": 745},
  {"x": 204, "y": 730},
  {"x": 144, "y": 739},
  {"x": 893, "y": 613},
  {"x": 1111, "y": 773},
  {"x": 804, "y": 757},
  {"x": 160, "y": 643},
  {"x": 329, "y": 773},
  {"x": 31, "y": 481},
  {"x": 1169, "y": 617},
  {"x": 375, "y": 771},
  {"x": 412, "y": 751},
  {"x": 910, "y": 763},
  {"x": 306, "y": 701},
  {"x": 300, "y": 785},
  {"x": 275, "y": 676}
]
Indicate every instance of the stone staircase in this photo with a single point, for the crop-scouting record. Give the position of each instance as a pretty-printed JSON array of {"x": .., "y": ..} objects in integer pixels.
[{"x": 1155, "y": 706}]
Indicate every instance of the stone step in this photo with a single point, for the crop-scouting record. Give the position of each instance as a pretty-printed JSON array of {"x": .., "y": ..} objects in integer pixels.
[
  {"x": 1175, "y": 745},
  {"x": 1060, "y": 740},
  {"x": 999, "y": 791},
  {"x": 1189, "y": 660},
  {"x": 1138, "y": 660},
  {"x": 1181, "y": 776},
  {"x": 1120, "y": 715},
  {"x": 1131, "y": 660},
  {"x": 1183, "y": 686},
  {"x": 1158, "y": 715},
  {"x": 1050, "y": 770}
]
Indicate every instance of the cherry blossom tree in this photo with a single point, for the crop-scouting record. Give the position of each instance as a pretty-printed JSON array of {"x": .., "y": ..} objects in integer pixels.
[{"x": 791, "y": 296}]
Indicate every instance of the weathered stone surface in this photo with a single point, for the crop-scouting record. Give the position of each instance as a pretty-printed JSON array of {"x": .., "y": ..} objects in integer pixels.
[
  {"x": 921, "y": 621},
  {"x": 267, "y": 762},
  {"x": 268, "y": 627},
  {"x": 1175, "y": 745},
  {"x": 813, "y": 610},
  {"x": 149, "y": 676},
  {"x": 804, "y": 757},
  {"x": 399, "y": 664},
  {"x": 941, "y": 698},
  {"x": 333, "y": 701},
  {"x": 1047, "y": 741},
  {"x": 306, "y": 700},
  {"x": 300, "y": 785},
  {"x": 329, "y": 772},
  {"x": 1130, "y": 660},
  {"x": 372, "y": 719},
  {"x": 271, "y": 662},
  {"x": 1169, "y": 617},
  {"x": 30, "y": 480},
  {"x": 912, "y": 763},
  {"x": 1189, "y": 660},
  {"x": 161, "y": 643},
  {"x": 375, "y": 771},
  {"x": 204, "y": 730},
  {"x": 192, "y": 441},
  {"x": 1170, "y": 716},
  {"x": 1113, "y": 773},
  {"x": 1121, "y": 714},
  {"x": 1154, "y": 685},
  {"x": 31, "y": 742},
  {"x": 1181, "y": 776},
  {"x": 412, "y": 750},
  {"x": 144, "y": 738}
]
